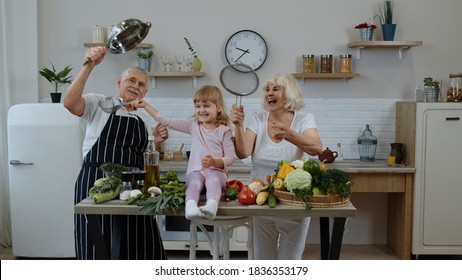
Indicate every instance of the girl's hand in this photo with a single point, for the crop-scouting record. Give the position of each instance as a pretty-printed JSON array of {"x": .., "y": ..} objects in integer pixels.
[
  {"x": 161, "y": 134},
  {"x": 237, "y": 115},
  {"x": 139, "y": 103},
  {"x": 208, "y": 161}
]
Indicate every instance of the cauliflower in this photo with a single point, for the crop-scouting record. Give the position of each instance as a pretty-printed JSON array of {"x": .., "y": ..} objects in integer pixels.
[
  {"x": 297, "y": 164},
  {"x": 255, "y": 187},
  {"x": 298, "y": 179}
]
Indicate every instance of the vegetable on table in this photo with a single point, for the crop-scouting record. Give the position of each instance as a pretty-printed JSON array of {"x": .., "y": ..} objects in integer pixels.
[
  {"x": 105, "y": 189},
  {"x": 283, "y": 170},
  {"x": 246, "y": 196},
  {"x": 235, "y": 184},
  {"x": 298, "y": 179},
  {"x": 256, "y": 187},
  {"x": 262, "y": 197}
]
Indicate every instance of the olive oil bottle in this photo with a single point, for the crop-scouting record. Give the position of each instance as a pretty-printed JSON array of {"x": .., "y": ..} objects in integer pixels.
[{"x": 151, "y": 164}]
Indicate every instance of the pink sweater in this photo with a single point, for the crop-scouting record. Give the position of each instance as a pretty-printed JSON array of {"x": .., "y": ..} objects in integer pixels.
[{"x": 217, "y": 142}]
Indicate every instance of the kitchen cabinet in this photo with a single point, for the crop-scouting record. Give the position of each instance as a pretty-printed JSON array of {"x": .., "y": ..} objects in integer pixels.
[
  {"x": 432, "y": 133},
  {"x": 399, "y": 45}
]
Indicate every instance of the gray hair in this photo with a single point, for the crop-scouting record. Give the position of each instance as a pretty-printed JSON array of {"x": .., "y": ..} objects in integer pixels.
[{"x": 294, "y": 101}]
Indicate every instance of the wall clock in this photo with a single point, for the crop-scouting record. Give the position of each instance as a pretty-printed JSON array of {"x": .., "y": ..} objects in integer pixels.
[{"x": 247, "y": 47}]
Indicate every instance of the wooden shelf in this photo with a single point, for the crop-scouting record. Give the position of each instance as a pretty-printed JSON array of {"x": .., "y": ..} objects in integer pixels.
[
  {"x": 344, "y": 76},
  {"x": 400, "y": 45},
  {"x": 193, "y": 75},
  {"x": 139, "y": 46}
]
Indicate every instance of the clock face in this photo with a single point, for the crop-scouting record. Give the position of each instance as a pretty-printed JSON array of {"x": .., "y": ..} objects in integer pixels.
[{"x": 247, "y": 47}]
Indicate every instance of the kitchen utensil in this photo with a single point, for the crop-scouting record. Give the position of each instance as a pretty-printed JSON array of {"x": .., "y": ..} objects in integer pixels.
[
  {"x": 125, "y": 36},
  {"x": 112, "y": 104},
  {"x": 239, "y": 80}
]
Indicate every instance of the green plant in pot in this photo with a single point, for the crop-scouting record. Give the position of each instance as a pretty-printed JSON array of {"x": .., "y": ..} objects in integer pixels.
[
  {"x": 386, "y": 20},
  {"x": 432, "y": 89},
  {"x": 145, "y": 59},
  {"x": 57, "y": 79}
]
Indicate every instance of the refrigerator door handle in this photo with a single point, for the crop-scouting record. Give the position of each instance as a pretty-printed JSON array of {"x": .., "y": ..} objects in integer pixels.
[{"x": 18, "y": 162}]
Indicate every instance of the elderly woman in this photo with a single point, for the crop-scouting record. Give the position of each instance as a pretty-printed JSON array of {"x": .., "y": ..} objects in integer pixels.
[{"x": 282, "y": 132}]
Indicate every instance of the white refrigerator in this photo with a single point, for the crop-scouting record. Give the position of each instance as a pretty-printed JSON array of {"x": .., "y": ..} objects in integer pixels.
[{"x": 45, "y": 156}]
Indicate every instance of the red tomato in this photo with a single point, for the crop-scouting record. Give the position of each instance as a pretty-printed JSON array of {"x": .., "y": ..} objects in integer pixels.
[
  {"x": 246, "y": 196},
  {"x": 235, "y": 184}
]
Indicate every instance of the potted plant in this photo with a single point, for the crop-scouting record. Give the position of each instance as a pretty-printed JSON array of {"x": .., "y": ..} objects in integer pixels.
[
  {"x": 57, "y": 79},
  {"x": 432, "y": 89},
  {"x": 386, "y": 20},
  {"x": 145, "y": 59},
  {"x": 366, "y": 30}
]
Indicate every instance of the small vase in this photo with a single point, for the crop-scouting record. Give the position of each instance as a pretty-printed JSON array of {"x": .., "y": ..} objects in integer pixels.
[
  {"x": 145, "y": 63},
  {"x": 388, "y": 31},
  {"x": 196, "y": 64},
  {"x": 366, "y": 34}
]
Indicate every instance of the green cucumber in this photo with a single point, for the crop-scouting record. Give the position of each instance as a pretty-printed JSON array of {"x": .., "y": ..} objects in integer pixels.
[{"x": 272, "y": 200}]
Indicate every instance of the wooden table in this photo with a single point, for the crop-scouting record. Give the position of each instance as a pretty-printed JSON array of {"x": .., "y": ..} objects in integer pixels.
[
  {"x": 331, "y": 241},
  {"x": 367, "y": 177},
  {"x": 398, "y": 182}
]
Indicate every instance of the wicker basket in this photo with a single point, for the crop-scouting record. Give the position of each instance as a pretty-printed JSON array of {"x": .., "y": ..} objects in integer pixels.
[{"x": 315, "y": 201}]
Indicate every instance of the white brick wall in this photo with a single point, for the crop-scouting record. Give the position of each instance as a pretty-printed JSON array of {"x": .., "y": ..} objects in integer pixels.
[{"x": 338, "y": 120}]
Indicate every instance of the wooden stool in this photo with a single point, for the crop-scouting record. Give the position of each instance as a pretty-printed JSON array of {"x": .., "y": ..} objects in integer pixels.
[{"x": 222, "y": 230}]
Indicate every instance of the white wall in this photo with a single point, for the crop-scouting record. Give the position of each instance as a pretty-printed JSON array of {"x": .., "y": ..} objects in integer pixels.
[{"x": 290, "y": 27}]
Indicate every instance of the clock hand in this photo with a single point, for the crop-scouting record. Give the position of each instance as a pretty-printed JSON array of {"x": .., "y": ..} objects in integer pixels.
[{"x": 244, "y": 52}]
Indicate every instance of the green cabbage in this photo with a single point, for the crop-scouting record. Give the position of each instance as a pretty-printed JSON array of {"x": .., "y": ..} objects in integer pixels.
[{"x": 298, "y": 179}]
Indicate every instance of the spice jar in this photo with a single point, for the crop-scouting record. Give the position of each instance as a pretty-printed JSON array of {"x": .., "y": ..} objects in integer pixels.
[
  {"x": 345, "y": 63},
  {"x": 309, "y": 65},
  {"x": 326, "y": 63},
  {"x": 454, "y": 93}
]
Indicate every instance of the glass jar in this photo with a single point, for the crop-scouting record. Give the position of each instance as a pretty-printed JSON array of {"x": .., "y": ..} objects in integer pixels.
[
  {"x": 367, "y": 145},
  {"x": 326, "y": 63},
  {"x": 345, "y": 63},
  {"x": 454, "y": 93},
  {"x": 309, "y": 65}
]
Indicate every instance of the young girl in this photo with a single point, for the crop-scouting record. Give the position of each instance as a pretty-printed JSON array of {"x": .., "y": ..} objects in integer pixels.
[{"x": 213, "y": 149}]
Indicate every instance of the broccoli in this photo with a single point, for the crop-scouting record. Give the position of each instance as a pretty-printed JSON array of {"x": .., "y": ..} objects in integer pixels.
[{"x": 105, "y": 189}]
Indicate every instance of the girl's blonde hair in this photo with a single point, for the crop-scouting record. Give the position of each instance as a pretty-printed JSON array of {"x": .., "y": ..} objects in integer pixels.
[{"x": 213, "y": 94}]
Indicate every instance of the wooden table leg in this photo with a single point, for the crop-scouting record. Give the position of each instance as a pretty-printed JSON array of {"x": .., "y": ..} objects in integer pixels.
[{"x": 94, "y": 227}]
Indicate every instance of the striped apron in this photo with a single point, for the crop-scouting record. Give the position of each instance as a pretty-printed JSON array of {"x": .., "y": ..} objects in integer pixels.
[{"x": 122, "y": 140}]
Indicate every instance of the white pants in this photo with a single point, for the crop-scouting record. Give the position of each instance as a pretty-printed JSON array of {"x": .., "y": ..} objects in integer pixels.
[{"x": 289, "y": 232}]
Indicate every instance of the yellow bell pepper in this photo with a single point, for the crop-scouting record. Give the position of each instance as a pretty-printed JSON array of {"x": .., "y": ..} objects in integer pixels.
[{"x": 284, "y": 170}]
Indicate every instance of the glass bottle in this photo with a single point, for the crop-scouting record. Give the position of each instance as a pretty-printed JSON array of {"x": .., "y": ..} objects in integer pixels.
[
  {"x": 454, "y": 93},
  {"x": 339, "y": 152},
  {"x": 367, "y": 145},
  {"x": 151, "y": 164}
]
